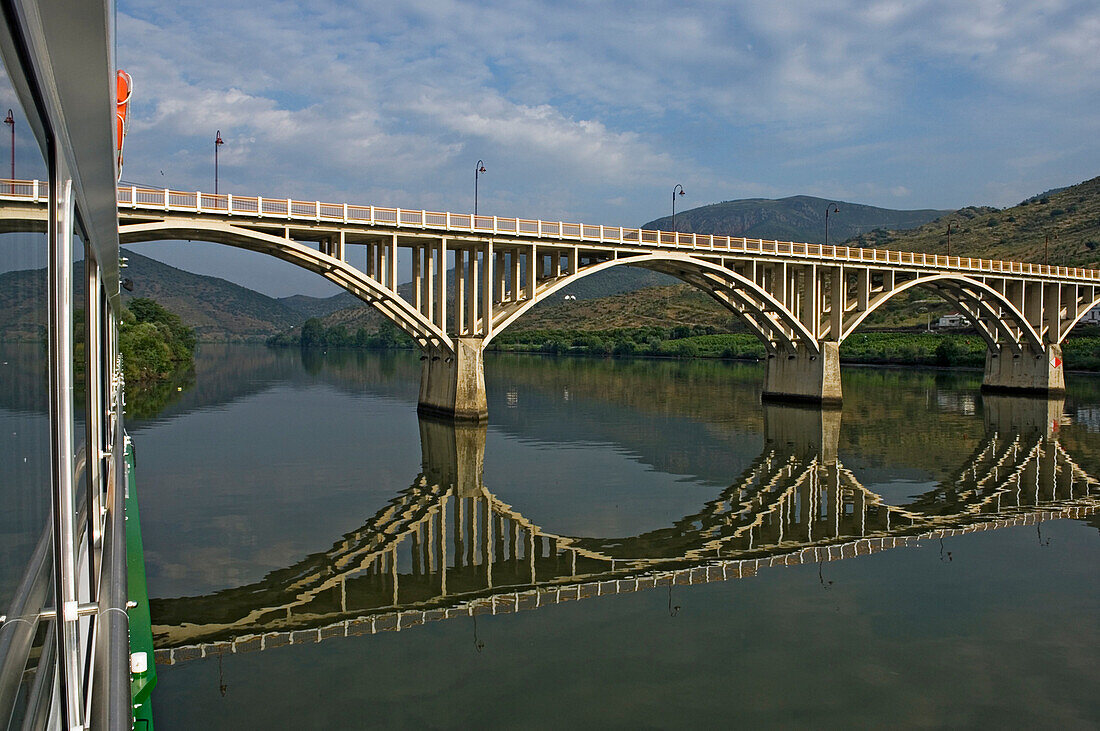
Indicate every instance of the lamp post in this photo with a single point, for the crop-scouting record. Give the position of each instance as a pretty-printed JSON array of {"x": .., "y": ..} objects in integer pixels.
[
  {"x": 10, "y": 121},
  {"x": 674, "y": 189},
  {"x": 218, "y": 142},
  {"x": 827, "y": 212},
  {"x": 478, "y": 170},
  {"x": 949, "y": 225}
]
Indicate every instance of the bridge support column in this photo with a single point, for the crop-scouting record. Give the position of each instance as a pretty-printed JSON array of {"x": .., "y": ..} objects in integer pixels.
[
  {"x": 805, "y": 377},
  {"x": 1030, "y": 372},
  {"x": 453, "y": 386}
]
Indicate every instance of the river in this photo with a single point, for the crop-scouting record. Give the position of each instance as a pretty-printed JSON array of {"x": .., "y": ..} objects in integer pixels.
[{"x": 627, "y": 543}]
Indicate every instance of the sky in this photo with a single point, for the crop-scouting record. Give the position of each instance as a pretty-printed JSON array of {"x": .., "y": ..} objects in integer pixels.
[{"x": 593, "y": 111}]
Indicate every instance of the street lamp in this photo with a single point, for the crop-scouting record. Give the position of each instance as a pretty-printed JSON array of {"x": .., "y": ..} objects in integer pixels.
[
  {"x": 949, "y": 225},
  {"x": 478, "y": 170},
  {"x": 927, "y": 318},
  {"x": 827, "y": 212},
  {"x": 681, "y": 189},
  {"x": 218, "y": 142},
  {"x": 10, "y": 121}
]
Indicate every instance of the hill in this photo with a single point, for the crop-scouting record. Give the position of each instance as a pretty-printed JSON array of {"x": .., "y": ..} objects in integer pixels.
[
  {"x": 320, "y": 306},
  {"x": 1067, "y": 218},
  {"x": 797, "y": 218},
  {"x": 218, "y": 310}
]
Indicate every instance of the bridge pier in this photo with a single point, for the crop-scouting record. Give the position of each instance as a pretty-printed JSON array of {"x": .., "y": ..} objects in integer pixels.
[
  {"x": 805, "y": 377},
  {"x": 1027, "y": 373},
  {"x": 453, "y": 386}
]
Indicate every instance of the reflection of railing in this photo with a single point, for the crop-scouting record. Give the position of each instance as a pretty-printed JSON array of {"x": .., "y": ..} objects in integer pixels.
[
  {"x": 166, "y": 199},
  {"x": 447, "y": 547}
]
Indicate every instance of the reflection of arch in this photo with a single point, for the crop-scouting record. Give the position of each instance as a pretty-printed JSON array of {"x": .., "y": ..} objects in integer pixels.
[
  {"x": 984, "y": 303},
  {"x": 786, "y": 503},
  {"x": 366, "y": 288},
  {"x": 768, "y": 318}
]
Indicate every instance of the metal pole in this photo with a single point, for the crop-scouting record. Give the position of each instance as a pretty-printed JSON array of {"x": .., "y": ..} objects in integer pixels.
[
  {"x": 12, "y": 124},
  {"x": 674, "y": 206},
  {"x": 10, "y": 121},
  {"x": 835, "y": 210},
  {"x": 217, "y": 143},
  {"x": 61, "y": 435},
  {"x": 478, "y": 169}
]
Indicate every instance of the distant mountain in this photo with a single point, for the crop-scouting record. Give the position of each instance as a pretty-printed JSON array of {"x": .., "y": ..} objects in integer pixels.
[
  {"x": 218, "y": 310},
  {"x": 797, "y": 218},
  {"x": 320, "y": 306}
]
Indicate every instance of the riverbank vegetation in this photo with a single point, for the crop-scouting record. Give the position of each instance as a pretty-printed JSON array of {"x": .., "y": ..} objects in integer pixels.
[
  {"x": 911, "y": 347},
  {"x": 314, "y": 334},
  {"x": 946, "y": 349},
  {"x": 154, "y": 342}
]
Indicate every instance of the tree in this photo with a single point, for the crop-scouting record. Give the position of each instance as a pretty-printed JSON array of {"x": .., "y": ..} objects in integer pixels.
[{"x": 313, "y": 333}]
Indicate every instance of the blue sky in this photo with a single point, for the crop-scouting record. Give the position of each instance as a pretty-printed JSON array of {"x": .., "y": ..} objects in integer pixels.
[{"x": 593, "y": 111}]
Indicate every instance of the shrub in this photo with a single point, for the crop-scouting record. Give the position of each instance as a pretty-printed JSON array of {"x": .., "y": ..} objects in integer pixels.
[{"x": 948, "y": 352}]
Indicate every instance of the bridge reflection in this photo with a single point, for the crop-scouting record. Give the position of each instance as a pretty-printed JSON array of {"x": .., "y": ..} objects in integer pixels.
[{"x": 447, "y": 546}]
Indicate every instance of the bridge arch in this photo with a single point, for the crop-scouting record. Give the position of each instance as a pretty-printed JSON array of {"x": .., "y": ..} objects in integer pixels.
[
  {"x": 382, "y": 298},
  {"x": 776, "y": 326},
  {"x": 974, "y": 297},
  {"x": 1072, "y": 322}
]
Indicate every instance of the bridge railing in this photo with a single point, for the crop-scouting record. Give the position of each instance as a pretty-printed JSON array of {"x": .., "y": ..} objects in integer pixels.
[{"x": 318, "y": 211}]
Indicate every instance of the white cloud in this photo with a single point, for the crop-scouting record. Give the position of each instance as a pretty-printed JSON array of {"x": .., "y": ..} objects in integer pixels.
[{"x": 577, "y": 103}]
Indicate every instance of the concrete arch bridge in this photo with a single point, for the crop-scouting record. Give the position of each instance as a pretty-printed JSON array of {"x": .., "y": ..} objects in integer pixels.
[{"x": 801, "y": 300}]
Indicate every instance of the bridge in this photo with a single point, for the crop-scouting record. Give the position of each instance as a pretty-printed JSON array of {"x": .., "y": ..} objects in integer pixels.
[
  {"x": 802, "y": 300},
  {"x": 447, "y": 547}
]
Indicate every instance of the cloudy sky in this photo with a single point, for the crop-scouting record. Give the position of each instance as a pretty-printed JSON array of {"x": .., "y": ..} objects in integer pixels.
[{"x": 593, "y": 111}]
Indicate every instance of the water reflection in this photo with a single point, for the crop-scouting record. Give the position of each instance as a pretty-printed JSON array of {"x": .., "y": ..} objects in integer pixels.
[{"x": 447, "y": 546}]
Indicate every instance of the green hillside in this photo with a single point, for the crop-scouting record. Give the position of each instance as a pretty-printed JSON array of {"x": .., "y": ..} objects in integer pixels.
[{"x": 1069, "y": 218}]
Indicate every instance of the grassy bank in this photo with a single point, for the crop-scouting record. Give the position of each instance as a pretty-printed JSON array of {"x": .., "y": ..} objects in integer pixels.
[{"x": 1081, "y": 352}]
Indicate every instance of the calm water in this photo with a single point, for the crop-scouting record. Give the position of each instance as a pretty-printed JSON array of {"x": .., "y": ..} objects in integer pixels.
[{"x": 614, "y": 504}]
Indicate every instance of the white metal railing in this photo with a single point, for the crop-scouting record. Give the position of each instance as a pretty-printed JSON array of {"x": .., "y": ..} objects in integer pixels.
[{"x": 130, "y": 196}]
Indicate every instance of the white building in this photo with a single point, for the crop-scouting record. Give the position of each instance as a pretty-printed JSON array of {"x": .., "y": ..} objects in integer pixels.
[{"x": 953, "y": 320}]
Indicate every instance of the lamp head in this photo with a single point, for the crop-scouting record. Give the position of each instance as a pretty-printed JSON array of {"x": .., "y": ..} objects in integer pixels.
[
  {"x": 9, "y": 120},
  {"x": 218, "y": 138}
]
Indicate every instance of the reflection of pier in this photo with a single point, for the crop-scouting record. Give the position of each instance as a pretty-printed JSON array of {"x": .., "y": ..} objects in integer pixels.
[{"x": 448, "y": 547}]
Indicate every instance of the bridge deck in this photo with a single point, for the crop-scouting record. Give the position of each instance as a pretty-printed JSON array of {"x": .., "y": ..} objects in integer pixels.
[{"x": 257, "y": 207}]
